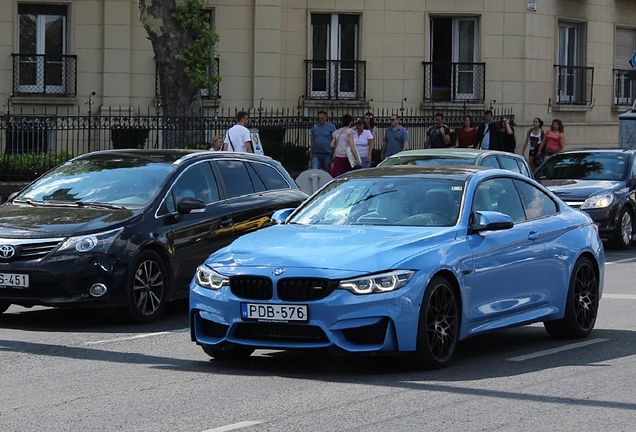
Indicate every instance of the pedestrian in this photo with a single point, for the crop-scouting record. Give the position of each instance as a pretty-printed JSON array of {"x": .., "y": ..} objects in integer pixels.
[
  {"x": 217, "y": 143},
  {"x": 369, "y": 123},
  {"x": 238, "y": 137},
  {"x": 438, "y": 135},
  {"x": 465, "y": 136},
  {"x": 341, "y": 141},
  {"x": 534, "y": 137},
  {"x": 363, "y": 139},
  {"x": 396, "y": 138},
  {"x": 488, "y": 136},
  {"x": 508, "y": 135},
  {"x": 553, "y": 140},
  {"x": 320, "y": 152}
]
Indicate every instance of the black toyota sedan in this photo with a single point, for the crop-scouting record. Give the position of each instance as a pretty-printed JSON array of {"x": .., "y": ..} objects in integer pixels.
[
  {"x": 599, "y": 182},
  {"x": 128, "y": 228}
]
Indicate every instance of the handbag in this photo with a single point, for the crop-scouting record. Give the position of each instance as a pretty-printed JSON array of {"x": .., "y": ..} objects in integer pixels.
[{"x": 354, "y": 159}]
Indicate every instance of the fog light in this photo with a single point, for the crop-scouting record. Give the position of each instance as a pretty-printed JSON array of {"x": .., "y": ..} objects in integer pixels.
[{"x": 97, "y": 290}]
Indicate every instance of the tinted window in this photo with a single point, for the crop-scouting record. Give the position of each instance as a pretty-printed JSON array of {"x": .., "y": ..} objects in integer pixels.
[
  {"x": 258, "y": 184},
  {"x": 490, "y": 162},
  {"x": 196, "y": 182},
  {"x": 235, "y": 177},
  {"x": 536, "y": 202},
  {"x": 509, "y": 164},
  {"x": 270, "y": 176},
  {"x": 499, "y": 195},
  {"x": 585, "y": 166}
]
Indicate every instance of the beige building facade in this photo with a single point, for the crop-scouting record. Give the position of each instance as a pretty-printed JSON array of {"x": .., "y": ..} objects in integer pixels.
[{"x": 562, "y": 59}]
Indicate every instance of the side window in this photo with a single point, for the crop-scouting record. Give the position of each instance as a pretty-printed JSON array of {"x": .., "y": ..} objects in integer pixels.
[
  {"x": 509, "y": 164},
  {"x": 490, "y": 162},
  {"x": 499, "y": 195},
  {"x": 235, "y": 177},
  {"x": 536, "y": 202},
  {"x": 258, "y": 184},
  {"x": 270, "y": 176}
]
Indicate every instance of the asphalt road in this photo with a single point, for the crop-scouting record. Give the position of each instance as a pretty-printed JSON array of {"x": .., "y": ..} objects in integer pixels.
[{"x": 72, "y": 370}]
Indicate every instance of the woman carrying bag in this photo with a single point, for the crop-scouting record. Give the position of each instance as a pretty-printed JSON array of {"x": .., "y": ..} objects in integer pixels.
[{"x": 346, "y": 155}]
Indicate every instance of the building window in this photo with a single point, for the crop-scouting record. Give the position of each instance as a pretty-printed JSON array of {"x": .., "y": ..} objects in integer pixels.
[
  {"x": 624, "y": 72},
  {"x": 334, "y": 71},
  {"x": 574, "y": 81},
  {"x": 453, "y": 73},
  {"x": 42, "y": 65}
]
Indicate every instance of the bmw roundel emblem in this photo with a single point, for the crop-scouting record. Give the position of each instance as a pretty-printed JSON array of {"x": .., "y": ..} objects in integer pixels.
[
  {"x": 279, "y": 271},
  {"x": 6, "y": 251}
]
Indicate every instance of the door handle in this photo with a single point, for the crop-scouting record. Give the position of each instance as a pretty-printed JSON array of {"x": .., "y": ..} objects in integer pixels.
[
  {"x": 225, "y": 221},
  {"x": 534, "y": 235}
]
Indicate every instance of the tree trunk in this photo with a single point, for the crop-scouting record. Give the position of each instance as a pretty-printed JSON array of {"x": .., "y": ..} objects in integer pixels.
[{"x": 169, "y": 41}]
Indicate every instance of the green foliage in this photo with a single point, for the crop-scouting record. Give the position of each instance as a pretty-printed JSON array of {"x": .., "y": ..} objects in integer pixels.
[
  {"x": 199, "y": 55},
  {"x": 29, "y": 166}
]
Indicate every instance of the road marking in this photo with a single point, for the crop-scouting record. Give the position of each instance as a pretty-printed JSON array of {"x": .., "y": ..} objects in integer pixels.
[
  {"x": 556, "y": 350},
  {"x": 139, "y": 336},
  {"x": 621, "y": 261},
  {"x": 234, "y": 426},
  {"x": 620, "y": 296}
]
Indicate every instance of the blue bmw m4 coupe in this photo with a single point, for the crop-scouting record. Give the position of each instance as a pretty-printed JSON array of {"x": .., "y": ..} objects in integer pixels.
[{"x": 403, "y": 259}]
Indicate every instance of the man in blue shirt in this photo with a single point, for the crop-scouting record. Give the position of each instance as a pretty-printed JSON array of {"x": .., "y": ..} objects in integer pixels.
[
  {"x": 396, "y": 138},
  {"x": 320, "y": 152},
  {"x": 488, "y": 136}
]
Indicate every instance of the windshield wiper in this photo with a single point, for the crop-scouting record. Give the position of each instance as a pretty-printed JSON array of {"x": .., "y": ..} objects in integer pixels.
[
  {"x": 99, "y": 205},
  {"x": 28, "y": 201}
]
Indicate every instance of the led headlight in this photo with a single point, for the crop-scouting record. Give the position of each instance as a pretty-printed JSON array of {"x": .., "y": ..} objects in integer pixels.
[
  {"x": 377, "y": 283},
  {"x": 99, "y": 242},
  {"x": 598, "y": 201},
  {"x": 208, "y": 278}
]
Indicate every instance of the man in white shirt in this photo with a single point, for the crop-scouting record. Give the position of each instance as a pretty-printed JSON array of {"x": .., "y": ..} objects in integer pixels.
[{"x": 238, "y": 137}]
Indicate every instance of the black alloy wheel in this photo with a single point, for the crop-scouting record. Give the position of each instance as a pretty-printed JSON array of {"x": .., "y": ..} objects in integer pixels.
[
  {"x": 438, "y": 327},
  {"x": 581, "y": 306},
  {"x": 147, "y": 288},
  {"x": 624, "y": 230}
]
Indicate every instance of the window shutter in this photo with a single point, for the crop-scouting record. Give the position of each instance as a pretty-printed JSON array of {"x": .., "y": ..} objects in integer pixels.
[{"x": 624, "y": 48}]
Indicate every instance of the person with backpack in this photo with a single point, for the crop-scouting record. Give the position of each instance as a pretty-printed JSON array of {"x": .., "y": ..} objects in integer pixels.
[{"x": 534, "y": 138}]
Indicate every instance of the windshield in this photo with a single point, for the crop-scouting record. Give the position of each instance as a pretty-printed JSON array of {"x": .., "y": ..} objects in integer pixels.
[
  {"x": 408, "y": 201},
  {"x": 429, "y": 160},
  {"x": 119, "y": 182},
  {"x": 584, "y": 166}
]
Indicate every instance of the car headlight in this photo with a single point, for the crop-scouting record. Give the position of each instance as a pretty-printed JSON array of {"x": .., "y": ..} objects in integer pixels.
[
  {"x": 208, "y": 278},
  {"x": 377, "y": 283},
  {"x": 99, "y": 242},
  {"x": 598, "y": 201}
]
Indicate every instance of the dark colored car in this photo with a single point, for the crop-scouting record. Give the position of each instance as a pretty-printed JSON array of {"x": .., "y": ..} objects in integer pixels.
[
  {"x": 128, "y": 228},
  {"x": 461, "y": 156},
  {"x": 599, "y": 182}
]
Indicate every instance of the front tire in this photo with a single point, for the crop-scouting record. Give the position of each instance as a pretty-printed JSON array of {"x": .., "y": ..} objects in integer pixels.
[
  {"x": 438, "y": 326},
  {"x": 581, "y": 306},
  {"x": 147, "y": 288},
  {"x": 624, "y": 230}
]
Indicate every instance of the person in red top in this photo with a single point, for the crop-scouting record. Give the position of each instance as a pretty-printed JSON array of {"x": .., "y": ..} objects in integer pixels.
[
  {"x": 465, "y": 136},
  {"x": 553, "y": 140}
]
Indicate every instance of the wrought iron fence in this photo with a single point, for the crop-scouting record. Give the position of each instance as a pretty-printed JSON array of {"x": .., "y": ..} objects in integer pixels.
[
  {"x": 44, "y": 74},
  {"x": 336, "y": 80},
  {"x": 38, "y": 142},
  {"x": 454, "y": 82},
  {"x": 624, "y": 86},
  {"x": 574, "y": 85}
]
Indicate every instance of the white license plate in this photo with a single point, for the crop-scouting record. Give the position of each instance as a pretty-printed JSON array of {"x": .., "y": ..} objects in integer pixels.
[
  {"x": 274, "y": 312},
  {"x": 11, "y": 280}
]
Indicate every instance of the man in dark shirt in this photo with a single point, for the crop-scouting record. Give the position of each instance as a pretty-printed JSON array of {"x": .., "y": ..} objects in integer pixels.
[{"x": 438, "y": 135}]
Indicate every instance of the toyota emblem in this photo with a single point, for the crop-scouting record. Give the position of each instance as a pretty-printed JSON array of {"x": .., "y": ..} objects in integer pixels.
[
  {"x": 6, "y": 251},
  {"x": 279, "y": 271}
]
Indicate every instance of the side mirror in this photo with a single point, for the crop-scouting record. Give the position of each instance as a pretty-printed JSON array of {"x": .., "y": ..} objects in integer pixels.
[
  {"x": 190, "y": 205},
  {"x": 489, "y": 221},
  {"x": 280, "y": 216}
]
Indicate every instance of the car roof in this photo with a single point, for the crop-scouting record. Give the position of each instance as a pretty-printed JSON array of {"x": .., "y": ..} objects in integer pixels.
[
  {"x": 599, "y": 150},
  {"x": 455, "y": 172},
  {"x": 453, "y": 151},
  {"x": 169, "y": 156}
]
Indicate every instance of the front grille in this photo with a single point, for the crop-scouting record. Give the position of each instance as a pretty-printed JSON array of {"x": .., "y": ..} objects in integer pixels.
[
  {"x": 30, "y": 249},
  {"x": 304, "y": 289},
  {"x": 274, "y": 332},
  {"x": 251, "y": 287},
  {"x": 367, "y": 335},
  {"x": 210, "y": 328}
]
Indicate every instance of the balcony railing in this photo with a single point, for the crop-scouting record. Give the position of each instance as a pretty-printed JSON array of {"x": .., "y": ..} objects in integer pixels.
[
  {"x": 336, "y": 80},
  {"x": 206, "y": 93},
  {"x": 44, "y": 75},
  {"x": 624, "y": 86},
  {"x": 454, "y": 82},
  {"x": 574, "y": 85}
]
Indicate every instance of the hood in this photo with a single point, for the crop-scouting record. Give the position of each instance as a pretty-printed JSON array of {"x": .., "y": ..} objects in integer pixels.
[
  {"x": 569, "y": 189},
  {"x": 24, "y": 221},
  {"x": 350, "y": 247}
]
